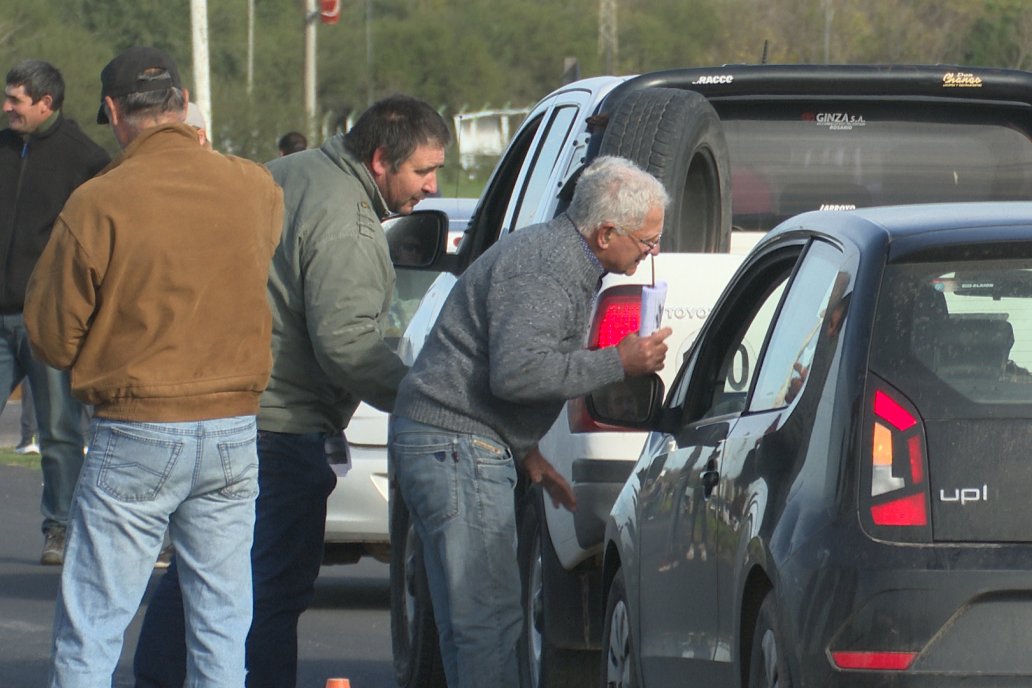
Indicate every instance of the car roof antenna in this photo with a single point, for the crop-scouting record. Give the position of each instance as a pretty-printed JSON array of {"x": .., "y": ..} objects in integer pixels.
[{"x": 763, "y": 57}]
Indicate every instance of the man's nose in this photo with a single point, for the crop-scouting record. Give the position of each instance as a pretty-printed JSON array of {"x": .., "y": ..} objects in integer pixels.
[{"x": 430, "y": 187}]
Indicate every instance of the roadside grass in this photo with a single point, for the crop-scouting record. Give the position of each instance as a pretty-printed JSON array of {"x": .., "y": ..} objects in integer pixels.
[{"x": 9, "y": 458}]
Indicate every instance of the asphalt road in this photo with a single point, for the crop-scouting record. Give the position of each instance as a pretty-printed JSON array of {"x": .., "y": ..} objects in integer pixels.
[{"x": 345, "y": 633}]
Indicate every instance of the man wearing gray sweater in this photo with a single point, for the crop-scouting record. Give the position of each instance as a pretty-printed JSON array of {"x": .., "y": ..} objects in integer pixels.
[{"x": 505, "y": 354}]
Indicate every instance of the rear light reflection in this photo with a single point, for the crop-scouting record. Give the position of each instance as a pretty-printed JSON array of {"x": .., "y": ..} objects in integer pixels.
[
  {"x": 898, "y": 493},
  {"x": 874, "y": 661}
]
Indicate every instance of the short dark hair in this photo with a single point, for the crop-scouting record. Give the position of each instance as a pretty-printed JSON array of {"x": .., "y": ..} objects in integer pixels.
[
  {"x": 398, "y": 124},
  {"x": 292, "y": 142},
  {"x": 39, "y": 79},
  {"x": 136, "y": 106}
]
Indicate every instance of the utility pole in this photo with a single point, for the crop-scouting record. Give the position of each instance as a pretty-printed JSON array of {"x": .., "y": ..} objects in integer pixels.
[
  {"x": 369, "y": 51},
  {"x": 829, "y": 15},
  {"x": 607, "y": 36},
  {"x": 201, "y": 68},
  {"x": 250, "y": 47},
  {"x": 311, "y": 21}
]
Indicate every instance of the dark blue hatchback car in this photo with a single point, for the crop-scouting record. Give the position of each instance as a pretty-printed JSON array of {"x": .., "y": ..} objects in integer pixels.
[{"x": 837, "y": 491}]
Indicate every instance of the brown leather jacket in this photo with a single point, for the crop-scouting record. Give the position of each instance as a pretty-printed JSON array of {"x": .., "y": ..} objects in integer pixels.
[{"x": 152, "y": 290}]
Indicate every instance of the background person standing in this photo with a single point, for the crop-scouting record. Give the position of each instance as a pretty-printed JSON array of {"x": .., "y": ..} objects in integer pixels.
[
  {"x": 292, "y": 142},
  {"x": 330, "y": 287},
  {"x": 152, "y": 292},
  {"x": 43, "y": 158}
]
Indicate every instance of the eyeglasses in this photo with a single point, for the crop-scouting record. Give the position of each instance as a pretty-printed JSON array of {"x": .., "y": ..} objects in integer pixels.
[{"x": 650, "y": 244}]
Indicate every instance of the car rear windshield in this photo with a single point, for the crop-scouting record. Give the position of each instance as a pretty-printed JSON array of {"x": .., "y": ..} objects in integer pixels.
[
  {"x": 789, "y": 157},
  {"x": 956, "y": 337}
]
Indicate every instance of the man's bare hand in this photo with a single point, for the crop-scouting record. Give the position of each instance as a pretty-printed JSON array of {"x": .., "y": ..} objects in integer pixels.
[
  {"x": 543, "y": 473},
  {"x": 643, "y": 355}
]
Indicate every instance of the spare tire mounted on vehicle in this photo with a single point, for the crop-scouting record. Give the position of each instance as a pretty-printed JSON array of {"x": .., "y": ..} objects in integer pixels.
[{"x": 676, "y": 136}]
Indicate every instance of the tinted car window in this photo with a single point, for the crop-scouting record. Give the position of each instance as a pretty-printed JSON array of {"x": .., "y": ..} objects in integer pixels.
[
  {"x": 790, "y": 157},
  {"x": 794, "y": 339},
  {"x": 537, "y": 183},
  {"x": 957, "y": 329}
]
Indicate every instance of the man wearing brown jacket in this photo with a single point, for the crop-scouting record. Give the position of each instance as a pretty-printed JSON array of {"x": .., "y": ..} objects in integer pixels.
[{"x": 152, "y": 293}]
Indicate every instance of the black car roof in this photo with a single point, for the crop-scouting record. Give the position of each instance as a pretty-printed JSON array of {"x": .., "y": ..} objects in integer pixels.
[
  {"x": 913, "y": 231},
  {"x": 952, "y": 82}
]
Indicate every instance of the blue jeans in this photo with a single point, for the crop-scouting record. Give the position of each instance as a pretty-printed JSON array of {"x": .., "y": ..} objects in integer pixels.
[
  {"x": 294, "y": 481},
  {"x": 459, "y": 492},
  {"x": 58, "y": 415},
  {"x": 199, "y": 480}
]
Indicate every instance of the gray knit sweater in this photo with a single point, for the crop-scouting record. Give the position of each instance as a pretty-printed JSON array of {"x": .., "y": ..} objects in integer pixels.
[{"x": 508, "y": 347}]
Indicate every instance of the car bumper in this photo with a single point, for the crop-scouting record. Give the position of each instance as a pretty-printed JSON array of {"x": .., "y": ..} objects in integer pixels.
[
  {"x": 356, "y": 511},
  {"x": 962, "y": 614}
]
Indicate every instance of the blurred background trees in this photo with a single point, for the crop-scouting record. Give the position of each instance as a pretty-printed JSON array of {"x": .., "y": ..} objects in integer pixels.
[{"x": 467, "y": 55}]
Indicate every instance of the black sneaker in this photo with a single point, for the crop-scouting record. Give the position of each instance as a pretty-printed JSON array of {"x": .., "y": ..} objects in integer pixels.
[{"x": 53, "y": 547}]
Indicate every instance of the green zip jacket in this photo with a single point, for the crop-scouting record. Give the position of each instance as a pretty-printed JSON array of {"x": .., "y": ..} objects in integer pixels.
[{"x": 330, "y": 289}]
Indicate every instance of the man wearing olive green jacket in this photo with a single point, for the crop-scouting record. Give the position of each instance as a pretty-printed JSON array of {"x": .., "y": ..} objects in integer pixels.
[{"x": 330, "y": 288}]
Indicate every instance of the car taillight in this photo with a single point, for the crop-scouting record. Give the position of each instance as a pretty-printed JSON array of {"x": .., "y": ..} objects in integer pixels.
[
  {"x": 617, "y": 314},
  {"x": 874, "y": 661},
  {"x": 896, "y": 494}
]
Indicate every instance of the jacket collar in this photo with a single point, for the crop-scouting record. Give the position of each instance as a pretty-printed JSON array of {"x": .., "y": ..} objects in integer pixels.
[
  {"x": 334, "y": 149},
  {"x": 161, "y": 137}
]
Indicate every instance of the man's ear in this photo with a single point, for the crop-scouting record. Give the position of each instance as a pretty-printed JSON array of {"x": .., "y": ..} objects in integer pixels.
[
  {"x": 602, "y": 235},
  {"x": 114, "y": 115},
  {"x": 379, "y": 164},
  {"x": 48, "y": 100}
]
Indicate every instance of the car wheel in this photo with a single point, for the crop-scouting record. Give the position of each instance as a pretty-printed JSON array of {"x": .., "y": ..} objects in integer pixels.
[
  {"x": 417, "y": 654},
  {"x": 676, "y": 136},
  {"x": 767, "y": 666},
  {"x": 619, "y": 666},
  {"x": 543, "y": 664}
]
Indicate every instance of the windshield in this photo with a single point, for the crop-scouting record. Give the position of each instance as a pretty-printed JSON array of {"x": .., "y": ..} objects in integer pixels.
[{"x": 791, "y": 157}]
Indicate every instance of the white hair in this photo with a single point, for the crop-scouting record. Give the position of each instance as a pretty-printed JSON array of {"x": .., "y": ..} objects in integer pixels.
[{"x": 614, "y": 190}]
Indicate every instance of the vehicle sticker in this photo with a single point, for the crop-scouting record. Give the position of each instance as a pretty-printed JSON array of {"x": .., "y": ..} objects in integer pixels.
[
  {"x": 838, "y": 206},
  {"x": 961, "y": 80},
  {"x": 714, "y": 79},
  {"x": 835, "y": 121}
]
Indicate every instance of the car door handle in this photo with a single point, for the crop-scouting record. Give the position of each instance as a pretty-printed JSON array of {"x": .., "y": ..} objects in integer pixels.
[{"x": 709, "y": 481}]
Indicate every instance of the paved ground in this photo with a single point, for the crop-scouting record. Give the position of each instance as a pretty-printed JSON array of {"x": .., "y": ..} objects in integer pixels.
[
  {"x": 9, "y": 428},
  {"x": 346, "y": 631}
]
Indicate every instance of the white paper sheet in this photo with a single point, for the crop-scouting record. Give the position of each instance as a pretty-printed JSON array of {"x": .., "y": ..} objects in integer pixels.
[{"x": 652, "y": 301}]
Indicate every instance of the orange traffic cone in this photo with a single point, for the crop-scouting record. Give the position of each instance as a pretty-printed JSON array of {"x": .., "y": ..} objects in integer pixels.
[{"x": 338, "y": 683}]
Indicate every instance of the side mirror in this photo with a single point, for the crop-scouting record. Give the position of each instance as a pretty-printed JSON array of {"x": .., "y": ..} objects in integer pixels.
[
  {"x": 633, "y": 403},
  {"x": 416, "y": 240}
]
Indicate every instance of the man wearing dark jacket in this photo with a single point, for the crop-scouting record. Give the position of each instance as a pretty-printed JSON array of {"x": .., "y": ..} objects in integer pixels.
[{"x": 43, "y": 158}]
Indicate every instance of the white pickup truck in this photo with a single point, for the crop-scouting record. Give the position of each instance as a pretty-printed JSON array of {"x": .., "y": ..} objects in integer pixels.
[{"x": 740, "y": 148}]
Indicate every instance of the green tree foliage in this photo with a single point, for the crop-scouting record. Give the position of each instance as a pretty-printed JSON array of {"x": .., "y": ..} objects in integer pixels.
[
  {"x": 466, "y": 55},
  {"x": 1002, "y": 35}
]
